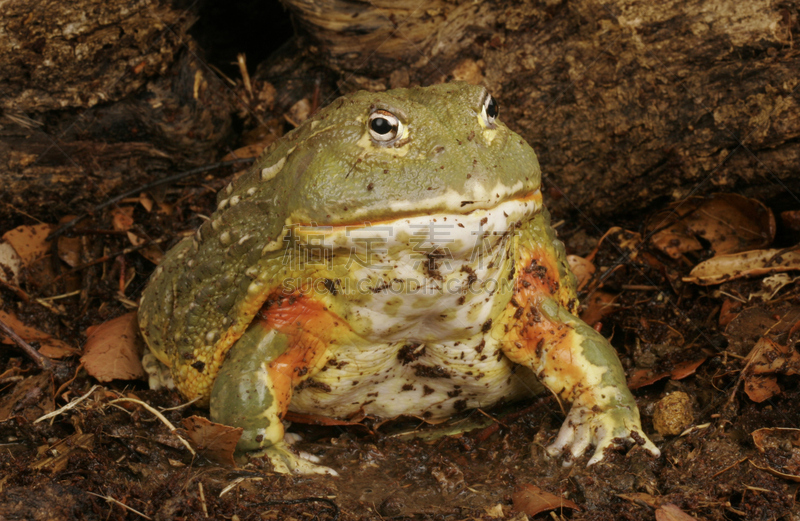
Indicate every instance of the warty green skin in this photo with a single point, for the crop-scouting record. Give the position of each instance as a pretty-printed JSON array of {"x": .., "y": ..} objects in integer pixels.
[
  {"x": 199, "y": 290},
  {"x": 328, "y": 172}
]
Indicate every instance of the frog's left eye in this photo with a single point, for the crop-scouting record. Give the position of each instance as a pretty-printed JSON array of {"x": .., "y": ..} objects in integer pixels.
[
  {"x": 490, "y": 111},
  {"x": 384, "y": 127}
]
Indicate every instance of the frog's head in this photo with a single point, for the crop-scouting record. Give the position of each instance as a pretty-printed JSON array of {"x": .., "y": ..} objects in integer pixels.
[{"x": 372, "y": 157}]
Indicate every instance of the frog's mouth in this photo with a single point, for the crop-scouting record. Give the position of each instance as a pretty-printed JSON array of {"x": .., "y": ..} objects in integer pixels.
[{"x": 460, "y": 235}]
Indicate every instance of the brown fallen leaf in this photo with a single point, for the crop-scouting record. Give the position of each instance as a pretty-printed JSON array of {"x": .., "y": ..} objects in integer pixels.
[
  {"x": 750, "y": 324},
  {"x": 69, "y": 248},
  {"x": 146, "y": 202},
  {"x": 722, "y": 268},
  {"x": 152, "y": 253},
  {"x": 135, "y": 240},
  {"x": 114, "y": 350},
  {"x": 643, "y": 377},
  {"x": 769, "y": 356},
  {"x": 581, "y": 268},
  {"x": 791, "y": 219},
  {"x": 730, "y": 223},
  {"x": 670, "y": 512},
  {"x": 770, "y": 286},
  {"x": 779, "y": 445},
  {"x": 728, "y": 311},
  {"x": 760, "y": 388},
  {"x": 627, "y": 241},
  {"x": 48, "y": 345},
  {"x": 122, "y": 218},
  {"x": 29, "y": 241},
  {"x": 765, "y": 359},
  {"x": 531, "y": 500},
  {"x": 251, "y": 150},
  {"x": 10, "y": 263},
  {"x": 600, "y": 304},
  {"x": 214, "y": 441}
]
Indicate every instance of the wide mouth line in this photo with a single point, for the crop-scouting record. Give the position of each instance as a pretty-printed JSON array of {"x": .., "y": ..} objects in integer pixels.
[{"x": 532, "y": 199}]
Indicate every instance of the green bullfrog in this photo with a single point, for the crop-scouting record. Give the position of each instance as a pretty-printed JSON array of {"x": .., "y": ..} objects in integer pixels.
[{"x": 390, "y": 256}]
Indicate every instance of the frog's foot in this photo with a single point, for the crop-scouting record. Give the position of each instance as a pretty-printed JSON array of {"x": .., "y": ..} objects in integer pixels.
[
  {"x": 285, "y": 461},
  {"x": 613, "y": 427}
]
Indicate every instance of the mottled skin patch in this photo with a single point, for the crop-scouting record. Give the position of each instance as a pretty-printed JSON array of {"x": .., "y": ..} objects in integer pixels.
[{"x": 243, "y": 322}]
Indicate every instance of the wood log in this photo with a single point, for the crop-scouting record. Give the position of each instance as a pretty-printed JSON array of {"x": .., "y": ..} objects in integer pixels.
[
  {"x": 628, "y": 104},
  {"x": 98, "y": 96}
]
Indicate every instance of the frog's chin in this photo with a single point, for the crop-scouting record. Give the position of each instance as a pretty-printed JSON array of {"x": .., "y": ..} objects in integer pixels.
[{"x": 457, "y": 234}]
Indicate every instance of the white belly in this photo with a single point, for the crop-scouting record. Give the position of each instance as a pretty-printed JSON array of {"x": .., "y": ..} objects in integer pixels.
[
  {"x": 426, "y": 348},
  {"x": 430, "y": 380}
]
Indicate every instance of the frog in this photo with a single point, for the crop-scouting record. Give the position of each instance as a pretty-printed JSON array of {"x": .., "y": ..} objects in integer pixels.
[{"x": 391, "y": 256}]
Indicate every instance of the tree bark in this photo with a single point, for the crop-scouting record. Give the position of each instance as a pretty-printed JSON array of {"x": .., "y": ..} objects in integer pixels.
[
  {"x": 98, "y": 96},
  {"x": 628, "y": 104}
]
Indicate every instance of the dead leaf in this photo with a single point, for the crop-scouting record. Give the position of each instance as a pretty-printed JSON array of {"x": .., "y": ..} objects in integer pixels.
[
  {"x": 152, "y": 253},
  {"x": 728, "y": 311},
  {"x": 581, "y": 268},
  {"x": 251, "y": 150},
  {"x": 29, "y": 241},
  {"x": 48, "y": 345},
  {"x": 532, "y": 500},
  {"x": 135, "y": 239},
  {"x": 69, "y": 248},
  {"x": 722, "y": 268},
  {"x": 670, "y": 512},
  {"x": 146, "y": 202},
  {"x": 769, "y": 356},
  {"x": 791, "y": 219},
  {"x": 747, "y": 327},
  {"x": 643, "y": 377},
  {"x": 122, "y": 218},
  {"x": 766, "y": 358},
  {"x": 729, "y": 222},
  {"x": 626, "y": 241},
  {"x": 779, "y": 445},
  {"x": 600, "y": 304},
  {"x": 299, "y": 112},
  {"x": 214, "y": 441},
  {"x": 10, "y": 263},
  {"x": 31, "y": 397},
  {"x": 760, "y": 388},
  {"x": 114, "y": 349},
  {"x": 772, "y": 285}
]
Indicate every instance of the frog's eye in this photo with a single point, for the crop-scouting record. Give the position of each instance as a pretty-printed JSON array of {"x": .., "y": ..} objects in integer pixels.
[
  {"x": 384, "y": 126},
  {"x": 490, "y": 111}
]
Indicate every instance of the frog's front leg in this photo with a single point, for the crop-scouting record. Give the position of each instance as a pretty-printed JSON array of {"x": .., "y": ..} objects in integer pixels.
[
  {"x": 580, "y": 366},
  {"x": 252, "y": 391}
]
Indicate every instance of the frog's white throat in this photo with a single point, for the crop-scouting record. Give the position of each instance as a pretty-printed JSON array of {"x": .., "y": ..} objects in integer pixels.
[
  {"x": 424, "y": 278},
  {"x": 432, "y": 288}
]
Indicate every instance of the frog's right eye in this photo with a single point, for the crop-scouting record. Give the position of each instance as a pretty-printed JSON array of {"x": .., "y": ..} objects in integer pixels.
[{"x": 384, "y": 127}]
